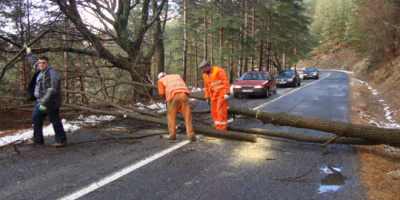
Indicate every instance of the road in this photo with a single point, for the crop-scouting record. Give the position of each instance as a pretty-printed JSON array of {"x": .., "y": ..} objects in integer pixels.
[{"x": 97, "y": 167}]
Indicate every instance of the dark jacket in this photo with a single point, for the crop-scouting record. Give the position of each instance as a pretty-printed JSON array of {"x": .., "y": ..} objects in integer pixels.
[{"x": 49, "y": 86}]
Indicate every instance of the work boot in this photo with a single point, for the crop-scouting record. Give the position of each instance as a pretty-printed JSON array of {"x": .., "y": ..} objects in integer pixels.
[
  {"x": 193, "y": 139},
  {"x": 170, "y": 138},
  {"x": 59, "y": 144},
  {"x": 33, "y": 143}
]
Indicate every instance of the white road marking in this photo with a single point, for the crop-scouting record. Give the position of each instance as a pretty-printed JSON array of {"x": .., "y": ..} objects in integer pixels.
[
  {"x": 112, "y": 177},
  {"x": 258, "y": 107}
]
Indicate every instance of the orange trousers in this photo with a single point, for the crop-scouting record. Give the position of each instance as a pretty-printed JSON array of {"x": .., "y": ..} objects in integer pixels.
[
  {"x": 180, "y": 102},
  {"x": 219, "y": 113}
]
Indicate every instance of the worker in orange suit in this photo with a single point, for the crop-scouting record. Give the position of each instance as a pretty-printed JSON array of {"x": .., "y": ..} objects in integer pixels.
[
  {"x": 217, "y": 91},
  {"x": 174, "y": 90}
]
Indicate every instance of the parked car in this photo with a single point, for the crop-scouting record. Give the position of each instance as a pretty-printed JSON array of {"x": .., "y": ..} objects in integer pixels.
[
  {"x": 288, "y": 78},
  {"x": 311, "y": 73},
  {"x": 260, "y": 83}
]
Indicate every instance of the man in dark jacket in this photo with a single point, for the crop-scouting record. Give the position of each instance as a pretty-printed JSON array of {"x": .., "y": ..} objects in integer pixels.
[{"x": 45, "y": 89}]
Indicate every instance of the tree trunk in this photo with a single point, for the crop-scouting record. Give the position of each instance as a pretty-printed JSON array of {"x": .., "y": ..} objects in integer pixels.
[
  {"x": 221, "y": 40},
  {"x": 185, "y": 41},
  {"x": 301, "y": 138},
  {"x": 158, "y": 38},
  {"x": 196, "y": 56},
  {"x": 66, "y": 84},
  {"x": 205, "y": 35},
  {"x": 253, "y": 35},
  {"x": 246, "y": 35},
  {"x": 373, "y": 134},
  {"x": 211, "y": 37},
  {"x": 231, "y": 74}
]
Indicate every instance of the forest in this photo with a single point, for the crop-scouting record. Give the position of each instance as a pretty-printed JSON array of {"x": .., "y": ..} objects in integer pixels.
[{"x": 107, "y": 51}]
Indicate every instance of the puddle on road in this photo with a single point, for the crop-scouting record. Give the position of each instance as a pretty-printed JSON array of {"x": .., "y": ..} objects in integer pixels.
[{"x": 333, "y": 181}]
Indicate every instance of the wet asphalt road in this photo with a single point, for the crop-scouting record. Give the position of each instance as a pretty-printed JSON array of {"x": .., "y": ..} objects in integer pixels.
[{"x": 210, "y": 168}]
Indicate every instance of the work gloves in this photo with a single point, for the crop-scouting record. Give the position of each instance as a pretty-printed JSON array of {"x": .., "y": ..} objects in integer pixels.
[
  {"x": 226, "y": 96},
  {"x": 41, "y": 107},
  {"x": 28, "y": 49}
]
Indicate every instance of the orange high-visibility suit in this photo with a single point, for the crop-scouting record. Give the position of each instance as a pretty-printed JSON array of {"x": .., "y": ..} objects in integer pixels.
[
  {"x": 216, "y": 86},
  {"x": 174, "y": 90}
]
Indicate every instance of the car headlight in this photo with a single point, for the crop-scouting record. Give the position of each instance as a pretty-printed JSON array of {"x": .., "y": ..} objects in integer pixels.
[
  {"x": 237, "y": 87},
  {"x": 258, "y": 87}
]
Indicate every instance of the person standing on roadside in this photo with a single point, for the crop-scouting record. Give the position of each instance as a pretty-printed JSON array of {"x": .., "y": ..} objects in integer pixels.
[
  {"x": 172, "y": 88},
  {"x": 217, "y": 92},
  {"x": 45, "y": 89}
]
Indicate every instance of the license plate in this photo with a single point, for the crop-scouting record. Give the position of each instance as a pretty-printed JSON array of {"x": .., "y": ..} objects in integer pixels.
[
  {"x": 282, "y": 82},
  {"x": 247, "y": 90}
]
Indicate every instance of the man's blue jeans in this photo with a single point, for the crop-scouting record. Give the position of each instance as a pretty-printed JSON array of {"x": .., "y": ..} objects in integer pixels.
[{"x": 38, "y": 117}]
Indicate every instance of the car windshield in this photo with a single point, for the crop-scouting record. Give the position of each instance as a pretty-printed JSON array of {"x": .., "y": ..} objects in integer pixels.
[
  {"x": 310, "y": 69},
  {"x": 285, "y": 73},
  {"x": 254, "y": 76}
]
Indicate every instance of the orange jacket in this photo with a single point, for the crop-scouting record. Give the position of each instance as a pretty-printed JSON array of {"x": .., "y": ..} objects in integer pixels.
[
  {"x": 216, "y": 83},
  {"x": 171, "y": 84}
]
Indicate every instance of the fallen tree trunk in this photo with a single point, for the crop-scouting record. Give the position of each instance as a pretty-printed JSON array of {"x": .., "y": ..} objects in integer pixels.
[
  {"x": 301, "y": 138},
  {"x": 199, "y": 129},
  {"x": 373, "y": 134}
]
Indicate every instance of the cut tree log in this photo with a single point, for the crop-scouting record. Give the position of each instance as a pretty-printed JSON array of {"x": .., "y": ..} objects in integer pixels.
[
  {"x": 301, "y": 138},
  {"x": 371, "y": 133}
]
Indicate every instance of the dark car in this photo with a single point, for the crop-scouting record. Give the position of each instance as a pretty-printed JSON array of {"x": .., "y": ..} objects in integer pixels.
[
  {"x": 311, "y": 73},
  {"x": 288, "y": 78},
  {"x": 259, "y": 83}
]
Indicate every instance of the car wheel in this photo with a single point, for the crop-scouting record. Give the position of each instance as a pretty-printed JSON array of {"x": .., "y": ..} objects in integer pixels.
[{"x": 267, "y": 93}]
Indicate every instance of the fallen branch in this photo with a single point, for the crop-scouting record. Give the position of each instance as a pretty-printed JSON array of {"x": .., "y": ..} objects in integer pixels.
[
  {"x": 294, "y": 179},
  {"x": 22, "y": 51}
]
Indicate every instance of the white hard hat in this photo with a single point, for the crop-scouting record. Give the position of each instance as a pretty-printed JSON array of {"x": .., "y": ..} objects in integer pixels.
[
  {"x": 203, "y": 64},
  {"x": 161, "y": 74}
]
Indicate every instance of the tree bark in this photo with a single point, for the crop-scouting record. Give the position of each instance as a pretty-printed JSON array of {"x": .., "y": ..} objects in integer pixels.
[
  {"x": 185, "y": 41},
  {"x": 205, "y": 35},
  {"x": 341, "y": 129},
  {"x": 301, "y": 138}
]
